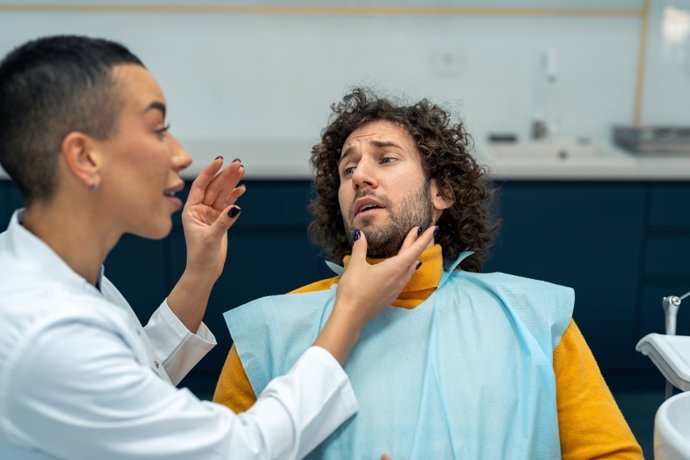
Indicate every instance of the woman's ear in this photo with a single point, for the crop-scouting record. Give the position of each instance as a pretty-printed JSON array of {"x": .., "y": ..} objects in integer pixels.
[{"x": 82, "y": 158}]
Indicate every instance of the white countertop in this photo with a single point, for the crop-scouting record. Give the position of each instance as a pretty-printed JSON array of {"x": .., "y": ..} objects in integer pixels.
[
  {"x": 289, "y": 159},
  {"x": 578, "y": 159}
]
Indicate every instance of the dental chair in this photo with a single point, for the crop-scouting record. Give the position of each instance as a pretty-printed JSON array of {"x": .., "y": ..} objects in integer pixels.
[{"x": 671, "y": 355}]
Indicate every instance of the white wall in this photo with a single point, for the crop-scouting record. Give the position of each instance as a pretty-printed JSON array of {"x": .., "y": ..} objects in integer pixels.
[
  {"x": 667, "y": 88},
  {"x": 246, "y": 78}
]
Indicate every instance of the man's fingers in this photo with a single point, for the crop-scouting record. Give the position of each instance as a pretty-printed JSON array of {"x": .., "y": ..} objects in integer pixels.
[{"x": 198, "y": 189}]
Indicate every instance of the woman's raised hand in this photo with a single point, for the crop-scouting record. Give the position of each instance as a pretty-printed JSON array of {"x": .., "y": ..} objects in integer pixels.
[{"x": 209, "y": 212}]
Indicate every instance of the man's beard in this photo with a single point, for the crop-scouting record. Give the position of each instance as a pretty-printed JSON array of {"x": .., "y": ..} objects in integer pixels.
[{"x": 385, "y": 240}]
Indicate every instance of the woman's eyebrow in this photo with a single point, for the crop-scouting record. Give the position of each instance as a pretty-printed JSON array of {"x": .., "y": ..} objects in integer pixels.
[{"x": 156, "y": 105}]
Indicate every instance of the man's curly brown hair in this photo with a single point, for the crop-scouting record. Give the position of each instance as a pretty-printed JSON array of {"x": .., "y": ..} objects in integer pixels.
[{"x": 444, "y": 148}]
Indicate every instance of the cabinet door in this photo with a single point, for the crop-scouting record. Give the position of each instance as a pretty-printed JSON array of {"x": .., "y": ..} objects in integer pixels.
[
  {"x": 10, "y": 200},
  {"x": 585, "y": 235},
  {"x": 666, "y": 260},
  {"x": 5, "y": 210},
  {"x": 669, "y": 206},
  {"x": 137, "y": 267}
]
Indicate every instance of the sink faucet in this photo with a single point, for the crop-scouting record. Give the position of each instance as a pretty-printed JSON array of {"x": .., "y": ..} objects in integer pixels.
[
  {"x": 544, "y": 121},
  {"x": 540, "y": 128}
]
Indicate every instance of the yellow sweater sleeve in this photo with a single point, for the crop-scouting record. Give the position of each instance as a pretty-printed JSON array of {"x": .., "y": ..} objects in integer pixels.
[
  {"x": 233, "y": 388},
  {"x": 590, "y": 423}
]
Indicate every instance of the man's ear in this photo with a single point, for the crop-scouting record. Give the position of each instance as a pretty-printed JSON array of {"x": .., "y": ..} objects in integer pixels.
[
  {"x": 82, "y": 158},
  {"x": 441, "y": 199}
]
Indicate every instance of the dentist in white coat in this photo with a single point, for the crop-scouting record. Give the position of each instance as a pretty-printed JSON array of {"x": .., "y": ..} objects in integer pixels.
[{"x": 83, "y": 136}]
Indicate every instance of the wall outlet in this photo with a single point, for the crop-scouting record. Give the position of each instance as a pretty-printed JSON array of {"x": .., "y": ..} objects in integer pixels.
[{"x": 447, "y": 62}]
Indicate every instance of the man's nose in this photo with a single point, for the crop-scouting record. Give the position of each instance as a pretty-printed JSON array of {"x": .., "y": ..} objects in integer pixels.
[
  {"x": 181, "y": 159},
  {"x": 364, "y": 175}
]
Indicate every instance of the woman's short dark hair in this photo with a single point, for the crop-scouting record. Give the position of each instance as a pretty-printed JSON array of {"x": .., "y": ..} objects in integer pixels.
[
  {"x": 444, "y": 147},
  {"x": 50, "y": 87}
]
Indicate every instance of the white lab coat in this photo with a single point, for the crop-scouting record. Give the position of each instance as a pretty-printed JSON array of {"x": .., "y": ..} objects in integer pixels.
[{"x": 76, "y": 378}]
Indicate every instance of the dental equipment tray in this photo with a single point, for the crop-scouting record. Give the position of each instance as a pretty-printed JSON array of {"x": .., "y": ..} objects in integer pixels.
[
  {"x": 671, "y": 355},
  {"x": 646, "y": 140}
]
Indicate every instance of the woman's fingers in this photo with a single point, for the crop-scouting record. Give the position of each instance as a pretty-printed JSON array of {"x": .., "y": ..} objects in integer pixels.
[
  {"x": 359, "y": 247},
  {"x": 413, "y": 246},
  {"x": 369, "y": 288},
  {"x": 230, "y": 197},
  {"x": 406, "y": 262},
  {"x": 416, "y": 234},
  {"x": 198, "y": 189},
  {"x": 411, "y": 237},
  {"x": 226, "y": 219},
  {"x": 221, "y": 187}
]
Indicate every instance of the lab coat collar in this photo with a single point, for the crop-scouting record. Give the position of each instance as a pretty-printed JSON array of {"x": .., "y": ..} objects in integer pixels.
[{"x": 34, "y": 254}]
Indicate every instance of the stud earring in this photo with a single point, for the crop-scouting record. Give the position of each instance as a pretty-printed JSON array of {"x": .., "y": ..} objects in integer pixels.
[{"x": 95, "y": 185}]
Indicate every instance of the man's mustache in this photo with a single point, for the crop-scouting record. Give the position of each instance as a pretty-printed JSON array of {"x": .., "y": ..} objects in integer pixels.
[{"x": 385, "y": 202}]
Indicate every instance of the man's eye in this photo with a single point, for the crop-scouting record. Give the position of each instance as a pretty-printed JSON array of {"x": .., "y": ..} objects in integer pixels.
[
  {"x": 348, "y": 171},
  {"x": 387, "y": 160}
]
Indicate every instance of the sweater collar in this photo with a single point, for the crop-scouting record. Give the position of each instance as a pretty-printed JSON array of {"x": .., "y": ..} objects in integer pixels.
[{"x": 426, "y": 278}]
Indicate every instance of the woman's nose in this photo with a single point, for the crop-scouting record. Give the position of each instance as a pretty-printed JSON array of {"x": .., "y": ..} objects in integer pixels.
[{"x": 180, "y": 157}]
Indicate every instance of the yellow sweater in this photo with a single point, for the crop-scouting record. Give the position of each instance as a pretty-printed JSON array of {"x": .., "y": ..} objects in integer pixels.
[{"x": 589, "y": 421}]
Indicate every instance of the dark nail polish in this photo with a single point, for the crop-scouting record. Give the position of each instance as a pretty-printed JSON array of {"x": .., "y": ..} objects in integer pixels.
[
  {"x": 419, "y": 231},
  {"x": 436, "y": 231},
  {"x": 219, "y": 157},
  {"x": 234, "y": 211},
  {"x": 237, "y": 160},
  {"x": 419, "y": 264},
  {"x": 356, "y": 235}
]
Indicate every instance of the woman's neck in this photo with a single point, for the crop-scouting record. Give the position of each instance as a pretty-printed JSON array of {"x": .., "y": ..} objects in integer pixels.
[{"x": 73, "y": 233}]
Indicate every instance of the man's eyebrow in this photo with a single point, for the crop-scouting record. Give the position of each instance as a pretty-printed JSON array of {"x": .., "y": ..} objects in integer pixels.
[
  {"x": 345, "y": 153},
  {"x": 380, "y": 144},
  {"x": 155, "y": 105},
  {"x": 377, "y": 144}
]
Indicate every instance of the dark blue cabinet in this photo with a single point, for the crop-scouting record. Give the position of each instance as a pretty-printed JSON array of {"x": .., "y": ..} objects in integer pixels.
[
  {"x": 585, "y": 235},
  {"x": 621, "y": 245},
  {"x": 665, "y": 269},
  {"x": 10, "y": 199}
]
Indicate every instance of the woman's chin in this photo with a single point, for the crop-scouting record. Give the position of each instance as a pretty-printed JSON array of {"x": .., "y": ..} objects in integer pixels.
[{"x": 158, "y": 231}]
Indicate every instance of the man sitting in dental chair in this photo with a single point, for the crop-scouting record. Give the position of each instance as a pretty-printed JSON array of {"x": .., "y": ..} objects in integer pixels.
[{"x": 469, "y": 365}]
